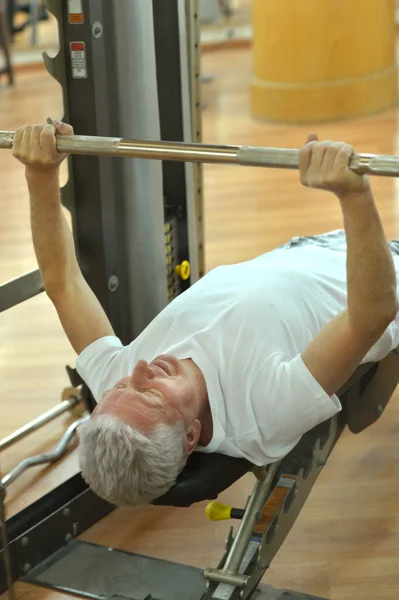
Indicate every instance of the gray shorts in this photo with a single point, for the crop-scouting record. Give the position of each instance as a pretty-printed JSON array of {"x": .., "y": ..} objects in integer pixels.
[{"x": 334, "y": 240}]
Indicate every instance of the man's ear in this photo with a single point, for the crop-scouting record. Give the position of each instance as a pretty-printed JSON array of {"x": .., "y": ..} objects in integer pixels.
[{"x": 193, "y": 433}]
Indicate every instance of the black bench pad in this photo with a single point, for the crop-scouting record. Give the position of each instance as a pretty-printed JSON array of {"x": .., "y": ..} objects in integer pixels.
[{"x": 204, "y": 477}]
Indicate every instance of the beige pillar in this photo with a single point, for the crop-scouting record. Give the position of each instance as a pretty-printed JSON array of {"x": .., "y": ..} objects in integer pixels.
[{"x": 320, "y": 60}]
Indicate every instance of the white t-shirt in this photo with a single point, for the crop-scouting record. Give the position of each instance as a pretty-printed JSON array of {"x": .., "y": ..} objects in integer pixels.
[{"x": 245, "y": 326}]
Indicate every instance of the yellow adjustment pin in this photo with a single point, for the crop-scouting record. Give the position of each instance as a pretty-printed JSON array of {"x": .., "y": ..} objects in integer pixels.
[
  {"x": 216, "y": 511},
  {"x": 183, "y": 271}
]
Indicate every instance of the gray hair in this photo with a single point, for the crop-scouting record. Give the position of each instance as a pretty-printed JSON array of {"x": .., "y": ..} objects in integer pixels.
[{"x": 126, "y": 467}]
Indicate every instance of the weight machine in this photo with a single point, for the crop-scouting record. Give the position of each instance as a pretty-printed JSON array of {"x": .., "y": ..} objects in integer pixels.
[
  {"x": 132, "y": 69},
  {"x": 7, "y": 69}
]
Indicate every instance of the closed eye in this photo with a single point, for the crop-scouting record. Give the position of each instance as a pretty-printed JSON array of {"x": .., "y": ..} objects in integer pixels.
[
  {"x": 152, "y": 396},
  {"x": 120, "y": 386}
]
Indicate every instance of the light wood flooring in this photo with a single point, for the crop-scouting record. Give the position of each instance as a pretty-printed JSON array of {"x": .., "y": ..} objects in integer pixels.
[{"x": 345, "y": 545}]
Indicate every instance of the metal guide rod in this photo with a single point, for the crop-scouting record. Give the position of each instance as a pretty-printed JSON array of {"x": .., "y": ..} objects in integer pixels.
[
  {"x": 250, "y": 156},
  {"x": 229, "y": 572},
  {"x": 35, "y": 424}
]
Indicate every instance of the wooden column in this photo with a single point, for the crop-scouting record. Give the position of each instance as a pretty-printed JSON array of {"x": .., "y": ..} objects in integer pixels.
[{"x": 320, "y": 60}]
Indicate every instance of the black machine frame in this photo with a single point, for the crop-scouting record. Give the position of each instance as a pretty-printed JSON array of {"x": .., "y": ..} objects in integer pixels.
[{"x": 92, "y": 195}]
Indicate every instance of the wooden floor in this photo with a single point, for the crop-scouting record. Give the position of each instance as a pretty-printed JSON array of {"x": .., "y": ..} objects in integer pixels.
[{"x": 345, "y": 544}]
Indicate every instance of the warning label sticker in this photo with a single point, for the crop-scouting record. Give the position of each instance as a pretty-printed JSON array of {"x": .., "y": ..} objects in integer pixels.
[
  {"x": 75, "y": 11},
  {"x": 78, "y": 60},
  {"x": 76, "y": 18}
]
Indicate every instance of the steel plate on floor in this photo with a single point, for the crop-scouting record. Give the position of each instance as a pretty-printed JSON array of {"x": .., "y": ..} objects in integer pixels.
[
  {"x": 97, "y": 571},
  {"x": 103, "y": 573}
]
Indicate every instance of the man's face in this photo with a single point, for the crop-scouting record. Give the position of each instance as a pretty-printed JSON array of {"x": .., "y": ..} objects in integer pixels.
[{"x": 161, "y": 391}]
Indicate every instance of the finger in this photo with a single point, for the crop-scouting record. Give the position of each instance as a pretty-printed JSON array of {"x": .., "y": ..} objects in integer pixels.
[
  {"x": 16, "y": 144},
  {"x": 22, "y": 143},
  {"x": 312, "y": 137},
  {"x": 47, "y": 141},
  {"x": 343, "y": 157},
  {"x": 318, "y": 157},
  {"x": 63, "y": 128},
  {"x": 305, "y": 157},
  {"x": 35, "y": 133},
  {"x": 26, "y": 142},
  {"x": 330, "y": 156}
]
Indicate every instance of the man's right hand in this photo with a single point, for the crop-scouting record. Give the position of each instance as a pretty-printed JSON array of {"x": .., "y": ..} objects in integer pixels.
[
  {"x": 35, "y": 146},
  {"x": 325, "y": 166},
  {"x": 80, "y": 313}
]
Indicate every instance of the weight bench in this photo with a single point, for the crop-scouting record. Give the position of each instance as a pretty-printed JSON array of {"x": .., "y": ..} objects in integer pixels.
[
  {"x": 280, "y": 491},
  {"x": 282, "y": 488}
]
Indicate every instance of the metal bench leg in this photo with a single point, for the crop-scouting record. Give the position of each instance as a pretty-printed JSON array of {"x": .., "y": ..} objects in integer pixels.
[
  {"x": 276, "y": 502},
  {"x": 229, "y": 574}
]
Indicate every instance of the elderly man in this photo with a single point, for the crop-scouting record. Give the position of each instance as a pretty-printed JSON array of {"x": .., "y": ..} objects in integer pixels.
[{"x": 245, "y": 361}]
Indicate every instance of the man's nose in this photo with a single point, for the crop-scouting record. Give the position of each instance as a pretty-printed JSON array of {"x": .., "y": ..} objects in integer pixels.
[{"x": 141, "y": 372}]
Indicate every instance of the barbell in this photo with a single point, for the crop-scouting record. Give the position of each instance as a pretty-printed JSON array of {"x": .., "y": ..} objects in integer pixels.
[{"x": 250, "y": 156}]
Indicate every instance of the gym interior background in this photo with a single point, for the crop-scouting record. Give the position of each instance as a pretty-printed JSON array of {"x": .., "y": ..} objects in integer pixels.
[{"x": 345, "y": 543}]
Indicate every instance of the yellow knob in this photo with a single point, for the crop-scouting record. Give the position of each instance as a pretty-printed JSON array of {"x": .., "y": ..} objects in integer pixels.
[
  {"x": 216, "y": 511},
  {"x": 183, "y": 270}
]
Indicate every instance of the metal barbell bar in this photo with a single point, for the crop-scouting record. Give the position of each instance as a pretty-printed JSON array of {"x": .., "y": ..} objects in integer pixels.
[
  {"x": 250, "y": 156},
  {"x": 71, "y": 402}
]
